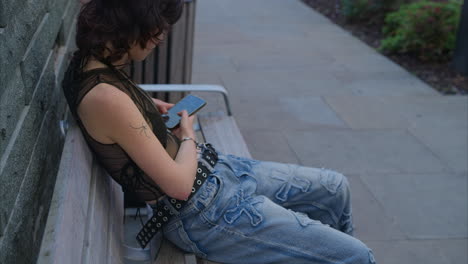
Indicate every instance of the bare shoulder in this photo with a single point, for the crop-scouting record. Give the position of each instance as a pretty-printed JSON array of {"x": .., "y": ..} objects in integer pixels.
[{"x": 99, "y": 107}]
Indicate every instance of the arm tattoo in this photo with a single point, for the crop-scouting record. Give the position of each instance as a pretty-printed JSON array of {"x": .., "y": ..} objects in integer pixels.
[{"x": 142, "y": 129}]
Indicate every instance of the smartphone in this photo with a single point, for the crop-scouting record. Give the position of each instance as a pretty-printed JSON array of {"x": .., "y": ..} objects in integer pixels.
[{"x": 191, "y": 103}]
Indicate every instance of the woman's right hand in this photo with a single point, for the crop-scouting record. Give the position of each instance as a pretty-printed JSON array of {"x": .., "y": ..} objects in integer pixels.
[{"x": 185, "y": 127}]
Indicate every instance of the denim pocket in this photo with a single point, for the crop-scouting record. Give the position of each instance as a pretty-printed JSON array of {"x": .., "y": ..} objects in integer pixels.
[{"x": 209, "y": 194}]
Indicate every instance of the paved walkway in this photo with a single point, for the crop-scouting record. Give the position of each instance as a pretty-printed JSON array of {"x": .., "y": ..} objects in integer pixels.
[{"x": 305, "y": 91}]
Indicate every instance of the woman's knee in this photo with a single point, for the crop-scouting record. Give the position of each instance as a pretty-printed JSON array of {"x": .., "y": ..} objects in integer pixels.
[
  {"x": 363, "y": 255},
  {"x": 335, "y": 182}
]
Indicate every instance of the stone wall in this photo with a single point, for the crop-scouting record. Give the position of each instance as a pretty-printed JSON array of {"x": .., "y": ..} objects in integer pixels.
[{"x": 35, "y": 38}]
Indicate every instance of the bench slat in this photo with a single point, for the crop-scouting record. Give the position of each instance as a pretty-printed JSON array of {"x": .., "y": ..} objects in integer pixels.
[
  {"x": 222, "y": 131},
  {"x": 190, "y": 259},
  {"x": 170, "y": 254},
  {"x": 69, "y": 205},
  {"x": 98, "y": 219},
  {"x": 116, "y": 234},
  {"x": 78, "y": 228},
  {"x": 96, "y": 242}
]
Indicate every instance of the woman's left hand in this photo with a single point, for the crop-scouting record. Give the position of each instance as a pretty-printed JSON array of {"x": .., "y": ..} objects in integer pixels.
[{"x": 162, "y": 106}]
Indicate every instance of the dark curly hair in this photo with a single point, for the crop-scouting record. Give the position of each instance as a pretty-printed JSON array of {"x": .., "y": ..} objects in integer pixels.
[{"x": 122, "y": 23}]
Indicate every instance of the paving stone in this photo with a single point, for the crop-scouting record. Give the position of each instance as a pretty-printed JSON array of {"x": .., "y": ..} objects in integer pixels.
[
  {"x": 291, "y": 10},
  {"x": 372, "y": 151},
  {"x": 225, "y": 33},
  {"x": 411, "y": 251},
  {"x": 278, "y": 115},
  {"x": 455, "y": 250},
  {"x": 279, "y": 61},
  {"x": 449, "y": 144},
  {"x": 445, "y": 111},
  {"x": 426, "y": 205},
  {"x": 269, "y": 145},
  {"x": 277, "y": 84},
  {"x": 380, "y": 112},
  {"x": 366, "y": 112},
  {"x": 213, "y": 64},
  {"x": 370, "y": 219},
  {"x": 312, "y": 110},
  {"x": 357, "y": 56},
  {"x": 407, "y": 87}
]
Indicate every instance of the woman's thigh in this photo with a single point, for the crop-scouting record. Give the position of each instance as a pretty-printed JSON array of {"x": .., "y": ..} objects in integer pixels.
[
  {"x": 239, "y": 226},
  {"x": 320, "y": 193}
]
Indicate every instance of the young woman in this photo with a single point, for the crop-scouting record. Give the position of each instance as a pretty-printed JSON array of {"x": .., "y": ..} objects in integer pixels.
[{"x": 221, "y": 207}]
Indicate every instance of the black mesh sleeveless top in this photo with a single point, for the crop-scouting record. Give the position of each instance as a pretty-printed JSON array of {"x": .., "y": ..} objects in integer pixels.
[{"x": 112, "y": 157}]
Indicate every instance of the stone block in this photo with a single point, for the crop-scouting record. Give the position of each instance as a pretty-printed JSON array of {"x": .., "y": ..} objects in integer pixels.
[
  {"x": 64, "y": 56},
  {"x": 36, "y": 55},
  {"x": 4, "y": 13},
  {"x": 68, "y": 23},
  {"x": 8, "y": 9},
  {"x": 14, "y": 161},
  {"x": 29, "y": 216},
  {"x": 17, "y": 36},
  {"x": 11, "y": 105}
]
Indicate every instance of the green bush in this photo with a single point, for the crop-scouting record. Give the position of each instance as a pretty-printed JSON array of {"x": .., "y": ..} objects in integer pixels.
[{"x": 426, "y": 29}]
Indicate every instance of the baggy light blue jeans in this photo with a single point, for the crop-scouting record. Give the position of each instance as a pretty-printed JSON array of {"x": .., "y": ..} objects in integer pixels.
[{"x": 251, "y": 211}]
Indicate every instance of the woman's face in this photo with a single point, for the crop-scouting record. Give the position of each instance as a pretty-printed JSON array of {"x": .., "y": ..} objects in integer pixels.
[{"x": 137, "y": 53}]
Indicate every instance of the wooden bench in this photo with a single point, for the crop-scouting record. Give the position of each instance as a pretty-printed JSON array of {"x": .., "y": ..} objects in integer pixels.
[{"x": 86, "y": 218}]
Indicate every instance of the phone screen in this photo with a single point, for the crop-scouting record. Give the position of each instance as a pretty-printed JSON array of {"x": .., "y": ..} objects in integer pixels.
[{"x": 191, "y": 103}]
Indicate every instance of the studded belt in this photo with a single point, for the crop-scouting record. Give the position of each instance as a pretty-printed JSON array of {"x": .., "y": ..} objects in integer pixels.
[{"x": 162, "y": 213}]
